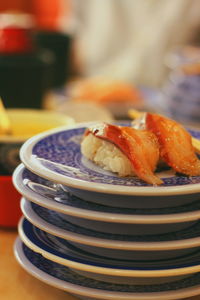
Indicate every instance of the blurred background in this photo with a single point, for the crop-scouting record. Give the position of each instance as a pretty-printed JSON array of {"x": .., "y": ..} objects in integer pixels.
[{"x": 98, "y": 59}]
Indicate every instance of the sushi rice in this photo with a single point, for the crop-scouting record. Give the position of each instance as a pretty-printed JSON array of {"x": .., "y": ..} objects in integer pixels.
[{"x": 106, "y": 155}]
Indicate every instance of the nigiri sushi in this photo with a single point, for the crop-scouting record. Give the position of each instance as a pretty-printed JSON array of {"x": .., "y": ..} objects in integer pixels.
[
  {"x": 123, "y": 150},
  {"x": 175, "y": 143}
]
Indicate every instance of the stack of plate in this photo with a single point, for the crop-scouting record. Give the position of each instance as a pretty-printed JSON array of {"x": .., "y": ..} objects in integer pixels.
[{"x": 100, "y": 236}]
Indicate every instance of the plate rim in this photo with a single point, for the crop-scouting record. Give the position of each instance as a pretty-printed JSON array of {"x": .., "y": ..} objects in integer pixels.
[
  {"x": 97, "y": 215},
  {"x": 38, "y": 222},
  {"x": 104, "y": 270},
  {"x": 33, "y": 165},
  {"x": 61, "y": 284}
]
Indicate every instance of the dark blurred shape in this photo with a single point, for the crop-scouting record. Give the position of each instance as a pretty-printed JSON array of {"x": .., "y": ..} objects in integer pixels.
[
  {"x": 25, "y": 71},
  {"x": 60, "y": 45}
]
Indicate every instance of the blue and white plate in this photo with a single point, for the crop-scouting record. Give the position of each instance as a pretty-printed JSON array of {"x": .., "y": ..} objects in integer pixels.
[
  {"x": 103, "y": 218},
  {"x": 121, "y": 247},
  {"x": 61, "y": 251},
  {"x": 66, "y": 279},
  {"x": 56, "y": 156}
]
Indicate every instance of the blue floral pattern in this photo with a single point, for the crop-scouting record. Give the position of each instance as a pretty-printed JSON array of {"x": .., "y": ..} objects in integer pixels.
[
  {"x": 60, "y": 153},
  {"x": 63, "y": 249},
  {"x": 41, "y": 186},
  {"x": 54, "y": 218},
  {"x": 67, "y": 275}
]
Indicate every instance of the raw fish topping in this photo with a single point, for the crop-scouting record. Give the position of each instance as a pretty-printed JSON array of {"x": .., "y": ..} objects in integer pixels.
[{"x": 162, "y": 139}]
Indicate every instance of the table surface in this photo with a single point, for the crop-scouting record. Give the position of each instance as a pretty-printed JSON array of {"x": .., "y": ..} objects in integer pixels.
[
  {"x": 16, "y": 283},
  {"x": 21, "y": 285}
]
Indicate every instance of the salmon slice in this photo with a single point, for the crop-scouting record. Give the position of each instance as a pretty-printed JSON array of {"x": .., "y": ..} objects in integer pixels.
[
  {"x": 140, "y": 147},
  {"x": 175, "y": 142}
]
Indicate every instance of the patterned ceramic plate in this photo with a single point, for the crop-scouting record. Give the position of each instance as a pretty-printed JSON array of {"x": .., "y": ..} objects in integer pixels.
[
  {"x": 56, "y": 156},
  {"x": 49, "y": 194},
  {"x": 119, "y": 246},
  {"x": 62, "y": 251},
  {"x": 64, "y": 278},
  {"x": 50, "y": 221}
]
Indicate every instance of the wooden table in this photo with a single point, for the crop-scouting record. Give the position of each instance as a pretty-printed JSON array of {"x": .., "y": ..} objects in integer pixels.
[{"x": 17, "y": 284}]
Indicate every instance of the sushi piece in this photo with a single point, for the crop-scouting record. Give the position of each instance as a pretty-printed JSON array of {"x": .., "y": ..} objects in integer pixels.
[
  {"x": 114, "y": 95},
  {"x": 123, "y": 150},
  {"x": 175, "y": 142},
  {"x": 139, "y": 123}
]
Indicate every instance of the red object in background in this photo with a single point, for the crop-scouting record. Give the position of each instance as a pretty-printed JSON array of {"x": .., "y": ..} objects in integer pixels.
[
  {"x": 10, "y": 211},
  {"x": 25, "y": 71},
  {"x": 15, "y": 40},
  {"x": 15, "y": 5},
  {"x": 46, "y": 13}
]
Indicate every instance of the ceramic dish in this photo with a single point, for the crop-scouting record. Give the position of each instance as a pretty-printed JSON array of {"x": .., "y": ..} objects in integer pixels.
[
  {"x": 61, "y": 251},
  {"x": 125, "y": 247},
  {"x": 63, "y": 278},
  {"x": 47, "y": 244},
  {"x": 102, "y": 218},
  {"x": 56, "y": 156}
]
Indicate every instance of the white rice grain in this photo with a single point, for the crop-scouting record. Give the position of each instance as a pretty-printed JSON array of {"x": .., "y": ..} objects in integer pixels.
[{"x": 106, "y": 155}]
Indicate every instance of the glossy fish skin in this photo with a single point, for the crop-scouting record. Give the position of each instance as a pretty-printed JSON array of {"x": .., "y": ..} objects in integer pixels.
[
  {"x": 175, "y": 142},
  {"x": 140, "y": 146}
]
